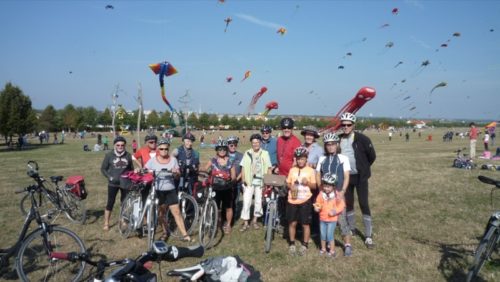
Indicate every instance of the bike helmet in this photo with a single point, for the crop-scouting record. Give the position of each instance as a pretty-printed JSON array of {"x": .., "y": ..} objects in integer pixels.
[
  {"x": 255, "y": 136},
  {"x": 266, "y": 128},
  {"x": 120, "y": 139},
  {"x": 287, "y": 123},
  {"x": 233, "y": 139},
  {"x": 150, "y": 137},
  {"x": 329, "y": 178},
  {"x": 348, "y": 117},
  {"x": 311, "y": 130},
  {"x": 331, "y": 137},
  {"x": 221, "y": 144},
  {"x": 301, "y": 152},
  {"x": 164, "y": 141},
  {"x": 189, "y": 136}
]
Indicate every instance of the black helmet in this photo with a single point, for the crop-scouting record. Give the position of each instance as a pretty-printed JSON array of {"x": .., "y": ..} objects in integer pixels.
[
  {"x": 120, "y": 139},
  {"x": 149, "y": 137},
  {"x": 300, "y": 152},
  {"x": 266, "y": 128},
  {"x": 164, "y": 141},
  {"x": 287, "y": 123},
  {"x": 189, "y": 136},
  {"x": 255, "y": 136}
]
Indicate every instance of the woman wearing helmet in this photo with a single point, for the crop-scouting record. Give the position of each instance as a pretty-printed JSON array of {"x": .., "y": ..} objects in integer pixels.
[
  {"x": 255, "y": 164},
  {"x": 361, "y": 154},
  {"x": 148, "y": 151},
  {"x": 235, "y": 157},
  {"x": 223, "y": 174},
  {"x": 334, "y": 163},
  {"x": 310, "y": 134},
  {"x": 269, "y": 143},
  {"x": 301, "y": 181},
  {"x": 189, "y": 163}
]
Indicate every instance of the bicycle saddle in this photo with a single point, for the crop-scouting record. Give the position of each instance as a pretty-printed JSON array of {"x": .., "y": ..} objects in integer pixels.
[
  {"x": 192, "y": 273},
  {"x": 56, "y": 179}
]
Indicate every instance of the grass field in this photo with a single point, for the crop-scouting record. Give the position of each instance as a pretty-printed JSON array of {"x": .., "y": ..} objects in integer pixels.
[{"x": 427, "y": 216}]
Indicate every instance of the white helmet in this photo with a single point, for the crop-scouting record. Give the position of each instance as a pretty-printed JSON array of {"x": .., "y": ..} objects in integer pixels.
[
  {"x": 331, "y": 137},
  {"x": 348, "y": 117},
  {"x": 329, "y": 179}
]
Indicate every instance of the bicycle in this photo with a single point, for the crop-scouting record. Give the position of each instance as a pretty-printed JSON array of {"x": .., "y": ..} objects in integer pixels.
[
  {"x": 208, "y": 212},
  {"x": 491, "y": 237},
  {"x": 461, "y": 160},
  {"x": 53, "y": 202},
  {"x": 275, "y": 188},
  {"x": 32, "y": 250},
  {"x": 132, "y": 269}
]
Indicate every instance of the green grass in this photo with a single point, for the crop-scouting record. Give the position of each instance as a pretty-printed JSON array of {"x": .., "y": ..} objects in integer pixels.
[{"x": 427, "y": 215}]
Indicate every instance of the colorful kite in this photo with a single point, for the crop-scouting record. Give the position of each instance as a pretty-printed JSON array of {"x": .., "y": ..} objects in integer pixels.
[
  {"x": 229, "y": 79},
  {"x": 395, "y": 11},
  {"x": 255, "y": 99},
  {"x": 273, "y": 105},
  {"x": 164, "y": 69},
  {"x": 281, "y": 31},
  {"x": 247, "y": 75},
  {"x": 227, "y": 20},
  {"x": 364, "y": 95}
]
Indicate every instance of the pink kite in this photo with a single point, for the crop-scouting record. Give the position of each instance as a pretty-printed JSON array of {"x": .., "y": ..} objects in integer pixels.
[
  {"x": 229, "y": 79},
  {"x": 256, "y": 98},
  {"x": 273, "y": 105},
  {"x": 395, "y": 11}
]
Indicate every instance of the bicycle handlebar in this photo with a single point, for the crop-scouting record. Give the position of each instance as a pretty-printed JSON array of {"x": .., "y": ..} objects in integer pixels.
[{"x": 490, "y": 181}]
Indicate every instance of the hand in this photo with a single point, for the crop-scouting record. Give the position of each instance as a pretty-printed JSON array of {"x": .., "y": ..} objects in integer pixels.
[
  {"x": 332, "y": 212},
  {"x": 316, "y": 209},
  {"x": 340, "y": 194},
  {"x": 111, "y": 179}
]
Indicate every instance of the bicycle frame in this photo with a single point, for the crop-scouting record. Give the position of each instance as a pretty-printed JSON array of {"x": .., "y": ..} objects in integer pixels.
[{"x": 272, "y": 199}]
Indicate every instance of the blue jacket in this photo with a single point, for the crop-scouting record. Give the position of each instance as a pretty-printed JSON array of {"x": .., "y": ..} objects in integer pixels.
[{"x": 270, "y": 146}]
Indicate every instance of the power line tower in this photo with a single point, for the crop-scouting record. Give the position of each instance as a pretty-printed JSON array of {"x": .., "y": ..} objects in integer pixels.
[
  {"x": 114, "y": 98},
  {"x": 185, "y": 100},
  {"x": 139, "y": 113}
]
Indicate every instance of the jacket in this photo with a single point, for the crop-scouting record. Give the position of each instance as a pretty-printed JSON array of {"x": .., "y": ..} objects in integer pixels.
[
  {"x": 364, "y": 153},
  {"x": 114, "y": 166}
]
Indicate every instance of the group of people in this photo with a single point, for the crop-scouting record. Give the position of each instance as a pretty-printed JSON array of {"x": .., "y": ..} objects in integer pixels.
[{"x": 320, "y": 180}]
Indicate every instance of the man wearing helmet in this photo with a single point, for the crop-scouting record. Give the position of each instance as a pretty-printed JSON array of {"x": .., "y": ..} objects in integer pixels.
[
  {"x": 189, "y": 162},
  {"x": 361, "y": 154},
  {"x": 148, "y": 151},
  {"x": 310, "y": 134},
  {"x": 285, "y": 146},
  {"x": 235, "y": 157},
  {"x": 269, "y": 143}
]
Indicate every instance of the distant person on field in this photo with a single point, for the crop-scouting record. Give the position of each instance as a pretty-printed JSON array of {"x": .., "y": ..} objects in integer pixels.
[
  {"x": 390, "y": 135},
  {"x": 473, "y": 132},
  {"x": 486, "y": 140},
  {"x": 134, "y": 146},
  {"x": 407, "y": 137},
  {"x": 105, "y": 142}
]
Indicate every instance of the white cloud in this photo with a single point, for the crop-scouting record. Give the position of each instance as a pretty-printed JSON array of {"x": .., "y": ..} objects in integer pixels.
[{"x": 257, "y": 21}]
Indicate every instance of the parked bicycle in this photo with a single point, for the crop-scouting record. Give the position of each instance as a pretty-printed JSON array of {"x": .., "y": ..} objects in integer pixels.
[
  {"x": 491, "y": 237},
  {"x": 32, "y": 250},
  {"x": 275, "y": 187},
  {"x": 462, "y": 161},
  {"x": 138, "y": 269},
  {"x": 208, "y": 211},
  {"x": 66, "y": 198}
]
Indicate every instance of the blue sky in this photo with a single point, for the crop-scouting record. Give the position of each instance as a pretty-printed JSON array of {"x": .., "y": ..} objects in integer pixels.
[{"x": 43, "y": 41}]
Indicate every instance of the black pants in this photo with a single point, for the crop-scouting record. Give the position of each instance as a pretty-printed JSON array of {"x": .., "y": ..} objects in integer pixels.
[
  {"x": 362, "y": 191},
  {"x": 112, "y": 192}
]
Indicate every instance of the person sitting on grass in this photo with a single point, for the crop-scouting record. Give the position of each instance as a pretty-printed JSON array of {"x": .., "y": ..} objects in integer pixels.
[
  {"x": 300, "y": 181},
  {"x": 329, "y": 206}
]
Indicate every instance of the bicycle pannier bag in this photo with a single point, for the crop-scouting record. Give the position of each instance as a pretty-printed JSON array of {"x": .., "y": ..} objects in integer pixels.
[
  {"x": 274, "y": 180},
  {"x": 76, "y": 185}
]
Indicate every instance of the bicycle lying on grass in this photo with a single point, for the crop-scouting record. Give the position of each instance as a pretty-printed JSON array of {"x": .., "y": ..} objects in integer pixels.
[
  {"x": 67, "y": 198},
  {"x": 131, "y": 269},
  {"x": 32, "y": 250},
  {"x": 461, "y": 160},
  {"x": 491, "y": 237}
]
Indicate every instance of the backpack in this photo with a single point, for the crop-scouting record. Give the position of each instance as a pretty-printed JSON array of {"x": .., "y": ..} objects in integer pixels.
[
  {"x": 229, "y": 269},
  {"x": 221, "y": 178},
  {"x": 76, "y": 185}
]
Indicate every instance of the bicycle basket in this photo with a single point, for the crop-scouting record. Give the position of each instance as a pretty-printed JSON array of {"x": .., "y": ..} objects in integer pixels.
[
  {"x": 76, "y": 185},
  {"x": 274, "y": 180},
  {"x": 131, "y": 180}
]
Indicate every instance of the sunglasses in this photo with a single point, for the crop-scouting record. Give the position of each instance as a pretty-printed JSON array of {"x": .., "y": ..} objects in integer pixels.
[
  {"x": 120, "y": 145},
  {"x": 221, "y": 149},
  {"x": 265, "y": 132},
  {"x": 287, "y": 127},
  {"x": 347, "y": 124},
  {"x": 151, "y": 142},
  {"x": 162, "y": 149}
]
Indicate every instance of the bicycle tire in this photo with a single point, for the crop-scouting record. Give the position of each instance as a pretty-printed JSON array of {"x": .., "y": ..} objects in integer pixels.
[
  {"x": 271, "y": 214},
  {"x": 483, "y": 252},
  {"x": 44, "y": 204},
  {"x": 190, "y": 215},
  {"x": 127, "y": 220},
  {"x": 32, "y": 261},
  {"x": 74, "y": 208},
  {"x": 208, "y": 224},
  {"x": 151, "y": 224}
]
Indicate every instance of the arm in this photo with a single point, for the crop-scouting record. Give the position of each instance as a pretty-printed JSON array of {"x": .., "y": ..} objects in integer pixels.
[
  {"x": 105, "y": 167},
  {"x": 233, "y": 173}
]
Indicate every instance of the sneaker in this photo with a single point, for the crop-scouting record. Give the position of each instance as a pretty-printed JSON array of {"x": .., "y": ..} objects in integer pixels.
[
  {"x": 322, "y": 252},
  {"x": 348, "y": 251},
  {"x": 302, "y": 250},
  {"x": 369, "y": 243},
  {"x": 332, "y": 254},
  {"x": 292, "y": 250}
]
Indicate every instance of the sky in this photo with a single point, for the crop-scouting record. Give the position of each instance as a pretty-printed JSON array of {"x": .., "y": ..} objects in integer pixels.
[{"x": 78, "y": 52}]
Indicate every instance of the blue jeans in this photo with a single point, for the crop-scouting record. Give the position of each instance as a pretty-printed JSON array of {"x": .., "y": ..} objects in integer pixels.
[{"x": 326, "y": 230}]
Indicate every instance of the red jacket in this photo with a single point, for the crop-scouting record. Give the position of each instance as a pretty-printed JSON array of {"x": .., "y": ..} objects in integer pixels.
[{"x": 284, "y": 151}]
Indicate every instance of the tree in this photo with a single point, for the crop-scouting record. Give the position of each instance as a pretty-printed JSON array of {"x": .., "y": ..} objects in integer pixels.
[
  {"x": 71, "y": 118},
  {"x": 193, "y": 120},
  {"x": 153, "y": 120},
  {"x": 225, "y": 120},
  {"x": 105, "y": 117},
  {"x": 89, "y": 117},
  {"x": 213, "y": 120},
  {"x": 48, "y": 119},
  {"x": 204, "y": 120},
  {"x": 16, "y": 114},
  {"x": 166, "y": 120}
]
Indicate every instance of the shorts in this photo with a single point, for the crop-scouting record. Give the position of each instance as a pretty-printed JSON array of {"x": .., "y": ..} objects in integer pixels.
[
  {"x": 224, "y": 199},
  {"x": 301, "y": 212},
  {"x": 168, "y": 198}
]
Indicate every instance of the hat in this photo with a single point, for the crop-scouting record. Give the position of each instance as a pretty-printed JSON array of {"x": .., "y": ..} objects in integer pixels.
[
  {"x": 310, "y": 129},
  {"x": 119, "y": 139}
]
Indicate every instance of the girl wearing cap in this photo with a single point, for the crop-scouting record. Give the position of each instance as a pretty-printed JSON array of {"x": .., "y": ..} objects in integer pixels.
[
  {"x": 255, "y": 163},
  {"x": 310, "y": 134},
  {"x": 115, "y": 163}
]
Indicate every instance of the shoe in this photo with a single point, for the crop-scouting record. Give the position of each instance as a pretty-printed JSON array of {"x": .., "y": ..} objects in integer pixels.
[
  {"x": 332, "y": 254},
  {"x": 292, "y": 250},
  {"x": 105, "y": 227},
  {"x": 187, "y": 239},
  {"x": 302, "y": 250},
  {"x": 322, "y": 252},
  {"x": 255, "y": 225},
  {"x": 348, "y": 251},
  {"x": 369, "y": 243},
  {"x": 244, "y": 227},
  {"x": 227, "y": 229},
  {"x": 164, "y": 237}
]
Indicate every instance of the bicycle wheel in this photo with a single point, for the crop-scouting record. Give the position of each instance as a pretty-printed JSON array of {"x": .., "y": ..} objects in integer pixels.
[
  {"x": 129, "y": 212},
  {"x": 152, "y": 221},
  {"x": 74, "y": 208},
  {"x": 208, "y": 224},
  {"x": 189, "y": 212},
  {"x": 33, "y": 264},
  {"x": 483, "y": 252},
  {"x": 271, "y": 214},
  {"x": 45, "y": 205}
]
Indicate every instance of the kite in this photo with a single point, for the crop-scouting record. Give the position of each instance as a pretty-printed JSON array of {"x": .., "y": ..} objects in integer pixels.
[
  {"x": 364, "y": 95},
  {"x": 240, "y": 103},
  {"x": 422, "y": 66},
  {"x": 444, "y": 45},
  {"x": 441, "y": 84},
  {"x": 281, "y": 31},
  {"x": 341, "y": 67},
  {"x": 229, "y": 79},
  {"x": 403, "y": 81},
  {"x": 273, "y": 105},
  {"x": 234, "y": 93},
  {"x": 395, "y": 11},
  {"x": 399, "y": 63},
  {"x": 255, "y": 99},
  {"x": 406, "y": 98},
  {"x": 491, "y": 30},
  {"x": 109, "y": 7},
  {"x": 247, "y": 75},
  {"x": 227, "y": 20},
  {"x": 384, "y": 25},
  {"x": 457, "y": 34},
  {"x": 413, "y": 108},
  {"x": 389, "y": 44},
  {"x": 164, "y": 69}
]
